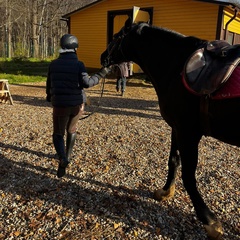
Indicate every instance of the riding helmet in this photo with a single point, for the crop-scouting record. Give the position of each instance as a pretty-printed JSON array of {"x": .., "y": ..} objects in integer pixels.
[{"x": 68, "y": 41}]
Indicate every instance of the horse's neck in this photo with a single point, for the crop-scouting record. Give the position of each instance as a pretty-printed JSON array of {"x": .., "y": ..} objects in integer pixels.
[
  {"x": 163, "y": 59},
  {"x": 165, "y": 51}
]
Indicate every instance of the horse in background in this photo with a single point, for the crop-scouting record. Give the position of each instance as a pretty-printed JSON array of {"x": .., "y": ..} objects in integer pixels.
[{"x": 187, "y": 93}]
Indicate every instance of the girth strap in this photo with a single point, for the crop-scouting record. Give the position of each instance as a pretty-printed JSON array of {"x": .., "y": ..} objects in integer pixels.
[{"x": 204, "y": 116}]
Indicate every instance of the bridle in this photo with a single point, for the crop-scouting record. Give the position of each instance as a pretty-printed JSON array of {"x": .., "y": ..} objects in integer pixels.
[
  {"x": 117, "y": 43},
  {"x": 112, "y": 46}
]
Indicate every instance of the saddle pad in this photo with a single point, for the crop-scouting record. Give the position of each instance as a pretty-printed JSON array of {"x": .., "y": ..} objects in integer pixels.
[
  {"x": 210, "y": 67},
  {"x": 231, "y": 89}
]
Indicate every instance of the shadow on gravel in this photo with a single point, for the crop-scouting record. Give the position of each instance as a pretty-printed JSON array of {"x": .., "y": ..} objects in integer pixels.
[
  {"x": 27, "y": 150},
  {"x": 117, "y": 203},
  {"x": 131, "y": 83},
  {"x": 107, "y": 105},
  {"x": 124, "y": 106},
  {"x": 28, "y": 85},
  {"x": 134, "y": 207}
]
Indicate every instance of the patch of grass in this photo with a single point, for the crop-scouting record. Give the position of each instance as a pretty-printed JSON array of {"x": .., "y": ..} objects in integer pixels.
[
  {"x": 22, "y": 70},
  {"x": 12, "y": 78}
]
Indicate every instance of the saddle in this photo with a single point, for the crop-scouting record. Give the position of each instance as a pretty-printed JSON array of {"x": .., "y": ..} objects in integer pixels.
[{"x": 210, "y": 67}]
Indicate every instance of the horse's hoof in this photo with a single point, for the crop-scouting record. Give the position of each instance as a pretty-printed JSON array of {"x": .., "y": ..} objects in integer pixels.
[
  {"x": 214, "y": 231},
  {"x": 162, "y": 195}
]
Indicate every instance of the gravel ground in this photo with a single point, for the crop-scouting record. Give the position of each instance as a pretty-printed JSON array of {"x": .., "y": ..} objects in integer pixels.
[{"x": 120, "y": 158}]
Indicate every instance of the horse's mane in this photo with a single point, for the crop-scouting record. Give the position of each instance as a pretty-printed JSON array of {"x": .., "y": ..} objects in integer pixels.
[
  {"x": 160, "y": 32},
  {"x": 156, "y": 31}
]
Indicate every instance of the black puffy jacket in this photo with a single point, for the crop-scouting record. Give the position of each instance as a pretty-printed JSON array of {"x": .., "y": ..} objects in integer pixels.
[{"x": 67, "y": 77}]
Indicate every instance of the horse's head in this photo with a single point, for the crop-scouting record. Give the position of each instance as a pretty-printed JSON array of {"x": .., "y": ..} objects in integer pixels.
[
  {"x": 113, "y": 54},
  {"x": 117, "y": 50}
]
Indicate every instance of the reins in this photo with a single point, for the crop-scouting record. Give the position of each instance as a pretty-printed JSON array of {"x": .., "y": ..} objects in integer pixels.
[
  {"x": 100, "y": 97},
  {"x": 102, "y": 90},
  {"x": 114, "y": 46},
  {"x": 107, "y": 60}
]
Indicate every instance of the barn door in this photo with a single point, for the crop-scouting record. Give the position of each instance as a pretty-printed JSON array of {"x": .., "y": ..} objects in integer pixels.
[
  {"x": 119, "y": 22},
  {"x": 116, "y": 20}
]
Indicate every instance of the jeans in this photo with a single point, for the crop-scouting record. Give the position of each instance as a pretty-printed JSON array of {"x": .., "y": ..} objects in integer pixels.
[{"x": 121, "y": 83}]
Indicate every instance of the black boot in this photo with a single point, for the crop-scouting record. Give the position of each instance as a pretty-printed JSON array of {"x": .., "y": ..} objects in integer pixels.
[
  {"x": 71, "y": 137},
  {"x": 58, "y": 142}
]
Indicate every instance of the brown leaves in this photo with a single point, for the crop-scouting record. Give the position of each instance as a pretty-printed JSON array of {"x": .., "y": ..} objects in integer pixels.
[{"x": 119, "y": 160}]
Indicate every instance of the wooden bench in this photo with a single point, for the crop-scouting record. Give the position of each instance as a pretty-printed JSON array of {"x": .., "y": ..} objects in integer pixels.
[{"x": 5, "y": 94}]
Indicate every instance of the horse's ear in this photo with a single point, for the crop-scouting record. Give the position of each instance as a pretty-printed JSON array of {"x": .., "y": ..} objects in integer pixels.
[{"x": 128, "y": 24}]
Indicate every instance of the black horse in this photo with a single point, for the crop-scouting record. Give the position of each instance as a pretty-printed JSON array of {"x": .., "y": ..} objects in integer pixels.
[{"x": 162, "y": 54}]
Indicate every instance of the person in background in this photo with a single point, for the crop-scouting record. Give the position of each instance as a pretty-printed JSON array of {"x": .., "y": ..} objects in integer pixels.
[
  {"x": 66, "y": 80},
  {"x": 122, "y": 72}
]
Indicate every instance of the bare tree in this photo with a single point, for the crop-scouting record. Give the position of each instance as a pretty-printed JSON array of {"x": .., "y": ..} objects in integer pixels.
[{"x": 32, "y": 28}]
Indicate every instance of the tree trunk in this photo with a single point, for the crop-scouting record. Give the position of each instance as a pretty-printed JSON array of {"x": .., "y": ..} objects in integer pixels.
[{"x": 35, "y": 40}]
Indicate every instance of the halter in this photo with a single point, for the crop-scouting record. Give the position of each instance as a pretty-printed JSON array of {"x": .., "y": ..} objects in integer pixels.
[
  {"x": 115, "y": 43},
  {"x": 119, "y": 40}
]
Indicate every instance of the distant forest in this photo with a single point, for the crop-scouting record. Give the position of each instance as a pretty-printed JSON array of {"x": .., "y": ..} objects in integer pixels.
[{"x": 32, "y": 28}]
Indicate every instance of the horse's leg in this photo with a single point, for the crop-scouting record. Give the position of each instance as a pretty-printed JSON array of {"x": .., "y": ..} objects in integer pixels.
[
  {"x": 188, "y": 147},
  {"x": 173, "y": 164}
]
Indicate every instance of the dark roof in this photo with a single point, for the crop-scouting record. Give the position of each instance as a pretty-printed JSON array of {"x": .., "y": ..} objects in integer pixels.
[
  {"x": 234, "y": 3},
  {"x": 93, "y": 2}
]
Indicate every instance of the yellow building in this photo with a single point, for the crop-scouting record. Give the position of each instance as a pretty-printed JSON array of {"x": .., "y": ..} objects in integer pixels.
[{"x": 95, "y": 24}]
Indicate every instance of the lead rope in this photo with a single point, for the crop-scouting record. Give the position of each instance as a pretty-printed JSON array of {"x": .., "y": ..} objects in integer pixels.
[
  {"x": 101, "y": 93},
  {"x": 102, "y": 90},
  {"x": 100, "y": 97}
]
